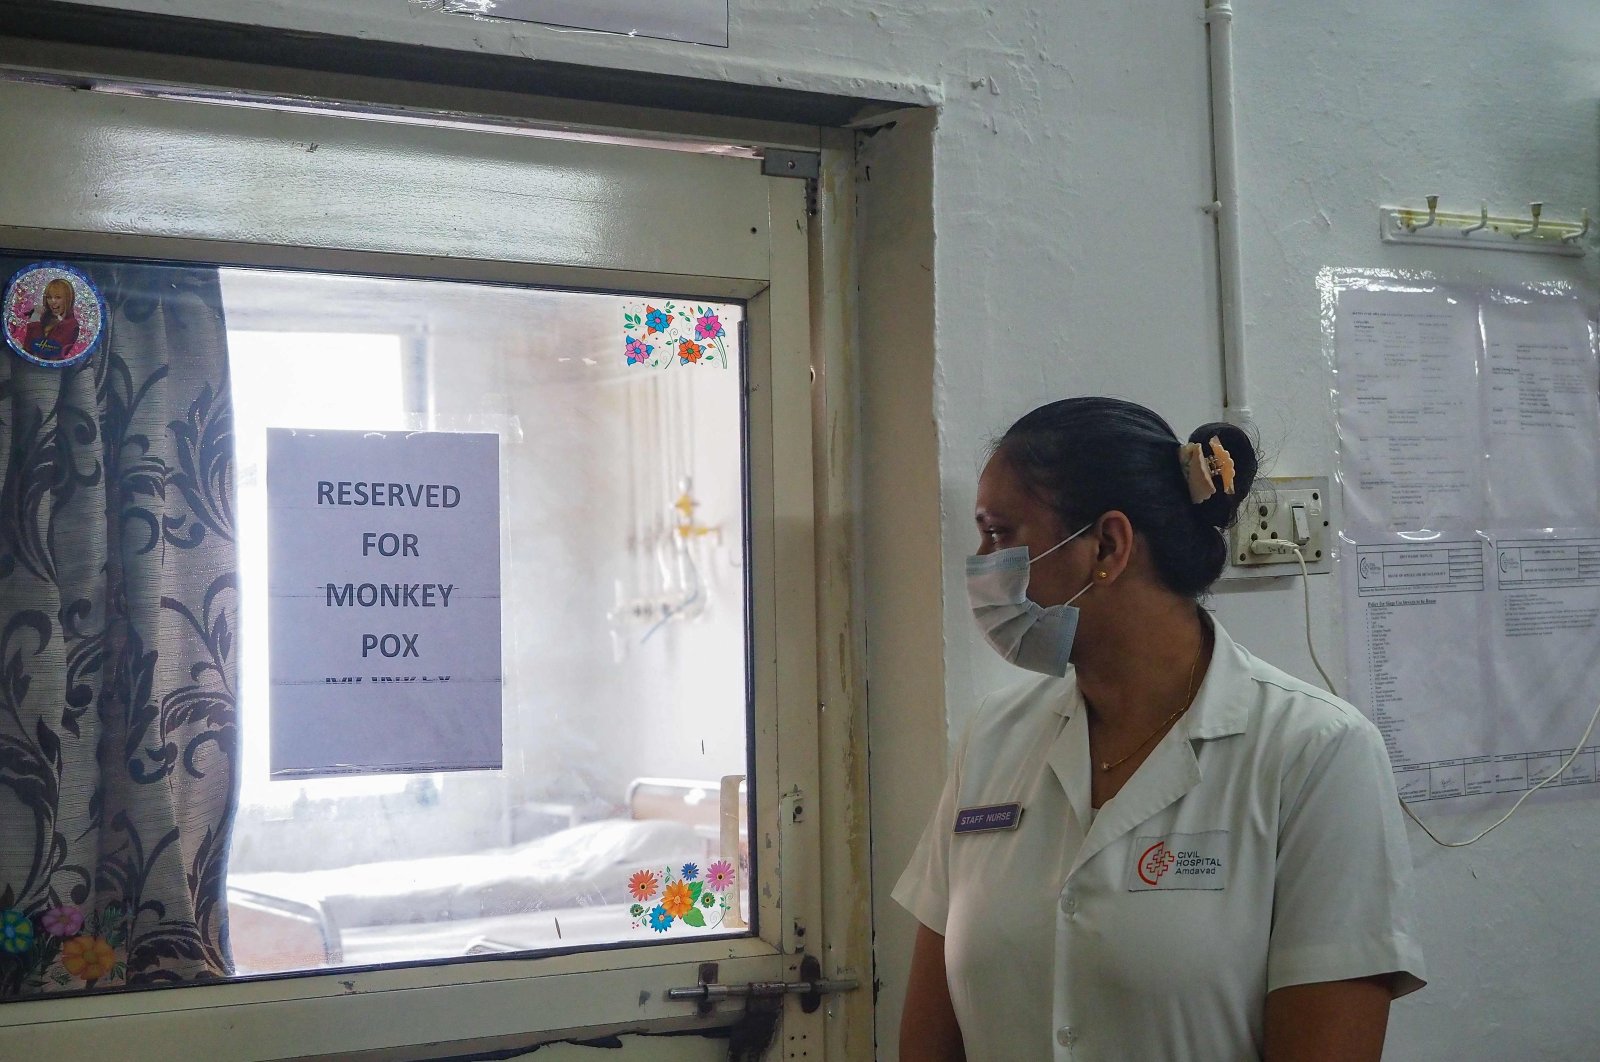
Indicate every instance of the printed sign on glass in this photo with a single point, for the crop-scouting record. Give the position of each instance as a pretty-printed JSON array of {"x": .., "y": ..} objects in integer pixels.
[{"x": 384, "y": 572}]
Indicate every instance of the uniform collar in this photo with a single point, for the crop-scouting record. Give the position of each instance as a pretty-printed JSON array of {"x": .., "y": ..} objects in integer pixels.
[
  {"x": 1215, "y": 713},
  {"x": 1172, "y": 768},
  {"x": 1218, "y": 710}
]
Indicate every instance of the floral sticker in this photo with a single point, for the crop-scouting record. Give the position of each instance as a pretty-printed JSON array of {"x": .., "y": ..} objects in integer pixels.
[
  {"x": 643, "y": 886},
  {"x": 719, "y": 876},
  {"x": 53, "y": 315},
  {"x": 662, "y": 333},
  {"x": 63, "y": 921},
  {"x": 685, "y": 897},
  {"x": 88, "y": 958},
  {"x": 637, "y": 351},
  {"x": 16, "y": 932},
  {"x": 62, "y": 945}
]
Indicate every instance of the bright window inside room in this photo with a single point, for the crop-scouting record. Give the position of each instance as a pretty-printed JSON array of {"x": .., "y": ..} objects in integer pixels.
[
  {"x": 623, "y": 626},
  {"x": 361, "y": 379}
]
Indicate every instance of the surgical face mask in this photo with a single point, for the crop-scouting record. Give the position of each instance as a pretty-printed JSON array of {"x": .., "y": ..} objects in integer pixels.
[{"x": 1024, "y": 632}]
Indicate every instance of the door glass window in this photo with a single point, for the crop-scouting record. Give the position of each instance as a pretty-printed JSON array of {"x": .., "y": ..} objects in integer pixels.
[
  {"x": 613, "y": 813},
  {"x": 618, "y": 430}
]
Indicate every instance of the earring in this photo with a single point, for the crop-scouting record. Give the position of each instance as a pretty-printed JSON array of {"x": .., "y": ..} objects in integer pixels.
[{"x": 1102, "y": 575}]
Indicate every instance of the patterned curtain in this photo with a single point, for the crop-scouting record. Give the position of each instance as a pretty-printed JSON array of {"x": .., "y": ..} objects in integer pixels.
[{"x": 118, "y": 645}]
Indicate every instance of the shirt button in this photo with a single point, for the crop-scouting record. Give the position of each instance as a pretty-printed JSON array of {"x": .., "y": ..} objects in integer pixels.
[{"x": 1066, "y": 1036}]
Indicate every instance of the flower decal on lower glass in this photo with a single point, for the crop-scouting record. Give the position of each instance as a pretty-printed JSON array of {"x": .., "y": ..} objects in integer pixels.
[
  {"x": 643, "y": 885},
  {"x": 686, "y": 898},
  {"x": 63, "y": 921},
  {"x": 663, "y": 333},
  {"x": 62, "y": 945},
  {"x": 719, "y": 876},
  {"x": 89, "y": 958},
  {"x": 16, "y": 932},
  {"x": 677, "y": 900}
]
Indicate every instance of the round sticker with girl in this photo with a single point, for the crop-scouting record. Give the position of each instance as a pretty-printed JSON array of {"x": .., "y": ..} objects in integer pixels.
[{"x": 53, "y": 315}]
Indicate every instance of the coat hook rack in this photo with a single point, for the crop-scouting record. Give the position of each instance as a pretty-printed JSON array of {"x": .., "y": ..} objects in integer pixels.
[{"x": 1533, "y": 232}]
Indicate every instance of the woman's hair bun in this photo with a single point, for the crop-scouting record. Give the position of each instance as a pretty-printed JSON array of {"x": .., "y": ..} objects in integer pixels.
[
  {"x": 1093, "y": 454},
  {"x": 1220, "y": 509}
]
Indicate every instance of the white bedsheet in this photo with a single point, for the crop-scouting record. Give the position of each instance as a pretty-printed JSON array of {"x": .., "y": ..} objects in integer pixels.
[{"x": 584, "y": 866}]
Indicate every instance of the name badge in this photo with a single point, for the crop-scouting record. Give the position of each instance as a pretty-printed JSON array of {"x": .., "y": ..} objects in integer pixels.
[
  {"x": 1179, "y": 861},
  {"x": 990, "y": 817}
]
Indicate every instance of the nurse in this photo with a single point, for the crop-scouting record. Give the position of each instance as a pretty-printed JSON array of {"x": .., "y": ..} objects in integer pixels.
[{"x": 1157, "y": 846}]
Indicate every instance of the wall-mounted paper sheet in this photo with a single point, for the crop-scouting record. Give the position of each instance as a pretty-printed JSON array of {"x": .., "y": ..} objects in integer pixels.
[
  {"x": 1477, "y": 659},
  {"x": 1469, "y": 428},
  {"x": 1408, "y": 392},
  {"x": 384, "y": 572},
  {"x": 1413, "y": 613},
  {"x": 1543, "y": 419},
  {"x": 1544, "y": 653}
]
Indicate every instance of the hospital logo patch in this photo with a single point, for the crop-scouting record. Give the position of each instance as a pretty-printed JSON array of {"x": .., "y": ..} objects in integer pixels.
[{"x": 1179, "y": 861}]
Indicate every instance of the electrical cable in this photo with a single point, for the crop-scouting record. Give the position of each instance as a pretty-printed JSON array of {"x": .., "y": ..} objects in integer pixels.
[
  {"x": 1305, "y": 583},
  {"x": 1547, "y": 780}
]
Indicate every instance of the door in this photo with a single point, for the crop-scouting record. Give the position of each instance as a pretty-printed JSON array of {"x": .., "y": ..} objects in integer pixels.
[{"x": 625, "y": 330}]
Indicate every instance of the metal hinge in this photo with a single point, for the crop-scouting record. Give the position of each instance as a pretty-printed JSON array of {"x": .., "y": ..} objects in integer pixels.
[
  {"x": 751, "y": 1035},
  {"x": 806, "y": 165}
]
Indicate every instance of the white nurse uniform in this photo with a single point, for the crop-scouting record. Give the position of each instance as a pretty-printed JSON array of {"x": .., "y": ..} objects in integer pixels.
[{"x": 1259, "y": 845}]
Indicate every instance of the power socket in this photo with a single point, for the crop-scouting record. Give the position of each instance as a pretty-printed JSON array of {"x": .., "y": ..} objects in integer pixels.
[{"x": 1282, "y": 513}]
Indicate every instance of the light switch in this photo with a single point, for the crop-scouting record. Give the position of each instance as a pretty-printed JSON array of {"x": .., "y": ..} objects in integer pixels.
[{"x": 1302, "y": 525}]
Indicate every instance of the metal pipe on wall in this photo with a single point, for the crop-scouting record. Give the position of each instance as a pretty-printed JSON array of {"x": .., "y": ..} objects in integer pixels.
[{"x": 1224, "y": 164}]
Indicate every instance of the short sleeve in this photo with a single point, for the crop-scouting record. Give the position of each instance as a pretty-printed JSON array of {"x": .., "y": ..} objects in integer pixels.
[
  {"x": 1342, "y": 898},
  {"x": 924, "y": 887}
]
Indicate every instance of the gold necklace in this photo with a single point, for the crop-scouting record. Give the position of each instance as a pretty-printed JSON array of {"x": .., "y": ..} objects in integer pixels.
[{"x": 1184, "y": 707}]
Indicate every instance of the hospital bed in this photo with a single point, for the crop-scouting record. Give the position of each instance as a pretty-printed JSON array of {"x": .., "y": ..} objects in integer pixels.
[{"x": 563, "y": 890}]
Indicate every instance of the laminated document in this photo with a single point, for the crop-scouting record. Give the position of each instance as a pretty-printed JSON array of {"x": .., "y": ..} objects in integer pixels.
[{"x": 1469, "y": 464}]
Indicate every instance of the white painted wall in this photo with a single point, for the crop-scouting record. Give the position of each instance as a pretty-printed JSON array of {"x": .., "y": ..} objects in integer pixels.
[
  {"x": 1069, "y": 161},
  {"x": 1349, "y": 105}
]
